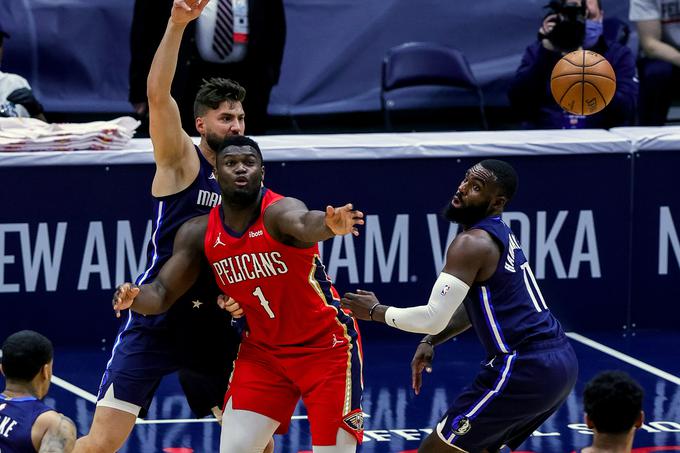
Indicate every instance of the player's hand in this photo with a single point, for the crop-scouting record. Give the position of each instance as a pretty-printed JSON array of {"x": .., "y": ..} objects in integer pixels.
[
  {"x": 229, "y": 304},
  {"x": 184, "y": 11},
  {"x": 359, "y": 303},
  {"x": 124, "y": 296},
  {"x": 343, "y": 220},
  {"x": 422, "y": 360}
]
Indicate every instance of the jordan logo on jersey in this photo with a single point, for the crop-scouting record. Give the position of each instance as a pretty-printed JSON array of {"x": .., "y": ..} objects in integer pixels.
[
  {"x": 218, "y": 241},
  {"x": 337, "y": 342}
]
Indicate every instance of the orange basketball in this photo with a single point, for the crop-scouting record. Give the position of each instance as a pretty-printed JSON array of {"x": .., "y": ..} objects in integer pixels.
[{"x": 583, "y": 82}]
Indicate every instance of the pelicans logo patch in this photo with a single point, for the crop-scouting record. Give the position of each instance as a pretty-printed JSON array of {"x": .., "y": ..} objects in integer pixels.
[{"x": 355, "y": 420}]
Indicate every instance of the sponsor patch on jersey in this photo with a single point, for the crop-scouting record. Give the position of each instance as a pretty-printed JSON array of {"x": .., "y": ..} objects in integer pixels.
[
  {"x": 355, "y": 420},
  {"x": 461, "y": 425}
]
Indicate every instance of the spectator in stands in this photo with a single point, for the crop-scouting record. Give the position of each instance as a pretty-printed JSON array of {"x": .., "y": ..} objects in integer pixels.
[
  {"x": 26, "y": 424},
  {"x": 612, "y": 401},
  {"x": 658, "y": 24},
  {"x": 241, "y": 40},
  {"x": 16, "y": 96},
  {"x": 571, "y": 25}
]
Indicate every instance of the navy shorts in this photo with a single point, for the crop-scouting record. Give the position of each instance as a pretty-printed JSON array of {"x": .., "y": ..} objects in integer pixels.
[
  {"x": 512, "y": 395},
  {"x": 197, "y": 341}
]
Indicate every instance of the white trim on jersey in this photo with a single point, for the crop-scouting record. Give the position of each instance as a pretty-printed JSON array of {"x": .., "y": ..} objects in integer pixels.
[
  {"x": 488, "y": 311},
  {"x": 159, "y": 221}
]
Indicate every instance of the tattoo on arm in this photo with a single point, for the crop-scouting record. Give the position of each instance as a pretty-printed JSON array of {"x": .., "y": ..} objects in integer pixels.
[{"x": 60, "y": 437}]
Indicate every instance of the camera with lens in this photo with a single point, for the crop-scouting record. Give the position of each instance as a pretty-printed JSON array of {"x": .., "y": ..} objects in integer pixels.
[{"x": 570, "y": 25}]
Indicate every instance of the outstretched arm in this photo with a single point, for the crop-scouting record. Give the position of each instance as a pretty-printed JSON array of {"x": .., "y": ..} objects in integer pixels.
[
  {"x": 174, "y": 279},
  {"x": 292, "y": 223},
  {"x": 468, "y": 255},
  {"x": 174, "y": 154},
  {"x": 59, "y": 433}
]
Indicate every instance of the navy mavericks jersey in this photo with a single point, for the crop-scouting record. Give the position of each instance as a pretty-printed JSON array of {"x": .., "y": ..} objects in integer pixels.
[
  {"x": 17, "y": 416},
  {"x": 171, "y": 211},
  {"x": 508, "y": 311}
]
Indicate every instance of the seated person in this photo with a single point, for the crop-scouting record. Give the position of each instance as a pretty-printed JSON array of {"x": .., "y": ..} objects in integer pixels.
[
  {"x": 572, "y": 25},
  {"x": 16, "y": 96},
  {"x": 658, "y": 25}
]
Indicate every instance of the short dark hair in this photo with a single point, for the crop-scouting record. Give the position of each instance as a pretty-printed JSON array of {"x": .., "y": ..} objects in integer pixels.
[
  {"x": 506, "y": 177},
  {"x": 23, "y": 355},
  {"x": 613, "y": 401},
  {"x": 240, "y": 140},
  {"x": 215, "y": 91}
]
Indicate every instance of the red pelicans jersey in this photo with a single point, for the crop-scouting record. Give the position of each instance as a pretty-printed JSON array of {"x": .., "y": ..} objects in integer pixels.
[{"x": 287, "y": 298}]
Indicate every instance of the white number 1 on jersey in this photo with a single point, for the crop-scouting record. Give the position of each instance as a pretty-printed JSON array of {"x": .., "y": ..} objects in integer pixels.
[{"x": 264, "y": 302}]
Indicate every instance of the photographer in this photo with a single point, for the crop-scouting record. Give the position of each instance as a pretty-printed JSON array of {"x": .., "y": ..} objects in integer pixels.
[{"x": 571, "y": 25}]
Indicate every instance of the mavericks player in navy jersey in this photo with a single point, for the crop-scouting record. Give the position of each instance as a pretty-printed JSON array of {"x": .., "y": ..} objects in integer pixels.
[
  {"x": 487, "y": 283},
  {"x": 26, "y": 424},
  {"x": 195, "y": 337}
]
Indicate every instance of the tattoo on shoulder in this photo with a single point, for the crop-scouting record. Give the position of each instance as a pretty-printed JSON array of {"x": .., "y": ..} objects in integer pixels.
[{"x": 59, "y": 438}]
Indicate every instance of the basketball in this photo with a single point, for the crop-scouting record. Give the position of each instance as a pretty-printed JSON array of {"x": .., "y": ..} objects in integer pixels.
[{"x": 583, "y": 82}]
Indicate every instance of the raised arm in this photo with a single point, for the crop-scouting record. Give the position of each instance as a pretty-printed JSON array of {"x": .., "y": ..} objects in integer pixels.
[
  {"x": 176, "y": 162},
  {"x": 54, "y": 432},
  {"x": 292, "y": 223},
  {"x": 650, "y": 41},
  {"x": 471, "y": 256},
  {"x": 175, "y": 277}
]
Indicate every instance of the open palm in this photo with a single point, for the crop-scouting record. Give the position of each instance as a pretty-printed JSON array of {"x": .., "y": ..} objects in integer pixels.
[{"x": 184, "y": 11}]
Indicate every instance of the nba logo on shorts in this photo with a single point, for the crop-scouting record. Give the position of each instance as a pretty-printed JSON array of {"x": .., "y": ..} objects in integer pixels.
[{"x": 461, "y": 425}]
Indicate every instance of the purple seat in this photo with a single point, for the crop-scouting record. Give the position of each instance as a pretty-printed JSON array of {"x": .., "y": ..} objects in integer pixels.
[{"x": 425, "y": 75}]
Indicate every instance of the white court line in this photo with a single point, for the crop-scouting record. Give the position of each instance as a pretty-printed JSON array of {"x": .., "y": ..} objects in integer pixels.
[
  {"x": 624, "y": 357},
  {"x": 59, "y": 382},
  {"x": 194, "y": 420}
]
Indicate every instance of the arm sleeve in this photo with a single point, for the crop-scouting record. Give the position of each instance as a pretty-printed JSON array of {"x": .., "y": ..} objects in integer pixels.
[{"x": 447, "y": 294}]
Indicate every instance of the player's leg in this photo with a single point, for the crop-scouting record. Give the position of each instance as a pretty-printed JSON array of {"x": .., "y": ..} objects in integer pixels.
[
  {"x": 331, "y": 385},
  {"x": 507, "y": 396},
  {"x": 344, "y": 443},
  {"x": 139, "y": 359},
  {"x": 110, "y": 429},
  {"x": 434, "y": 444},
  {"x": 204, "y": 391},
  {"x": 260, "y": 402},
  {"x": 246, "y": 431}
]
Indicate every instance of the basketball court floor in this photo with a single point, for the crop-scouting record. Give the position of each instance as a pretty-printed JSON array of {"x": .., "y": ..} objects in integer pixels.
[{"x": 397, "y": 419}]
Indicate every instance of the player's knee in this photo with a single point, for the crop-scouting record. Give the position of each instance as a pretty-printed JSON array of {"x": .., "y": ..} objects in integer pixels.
[
  {"x": 96, "y": 444},
  {"x": 241, "y": 444}
]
